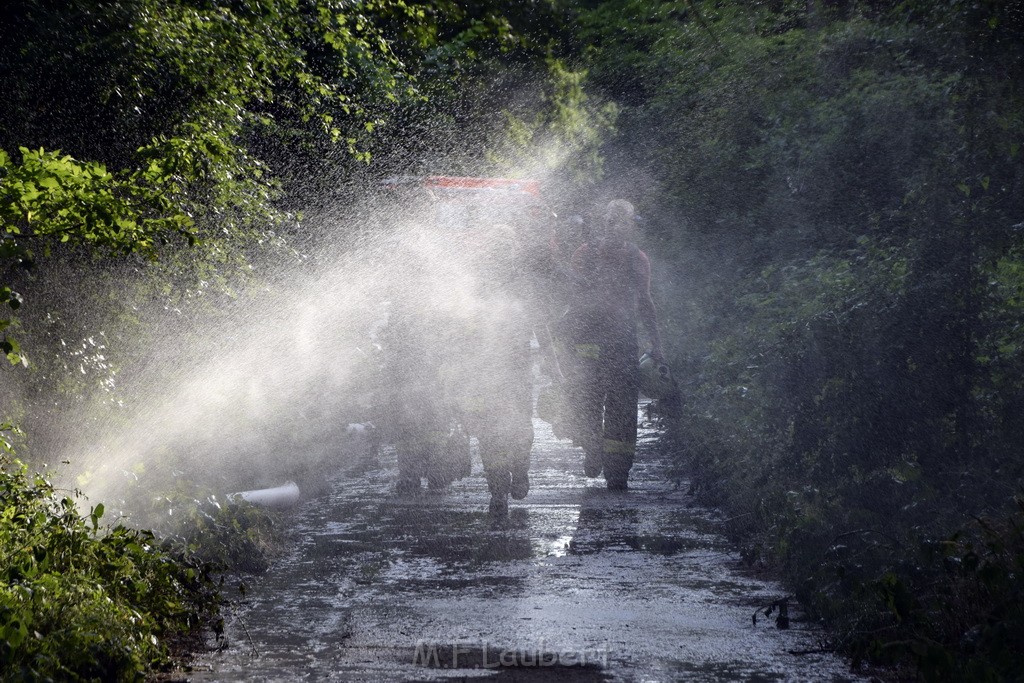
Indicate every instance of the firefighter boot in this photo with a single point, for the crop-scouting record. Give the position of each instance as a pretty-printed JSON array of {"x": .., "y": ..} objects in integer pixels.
[
  {"x": 593, "y": 457},
  {"x": 499, "y": 483},
  {"x": 616, "y": 472},
  {"x": 407, "y": 485},
  {"x": 520, "y": 479}
]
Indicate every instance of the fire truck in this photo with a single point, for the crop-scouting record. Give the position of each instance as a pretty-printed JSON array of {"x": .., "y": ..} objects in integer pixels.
[{"x": 460, "y": 202}]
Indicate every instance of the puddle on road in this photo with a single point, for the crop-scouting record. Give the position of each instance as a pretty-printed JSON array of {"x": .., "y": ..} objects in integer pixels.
[{"x": 642, "y": 578}]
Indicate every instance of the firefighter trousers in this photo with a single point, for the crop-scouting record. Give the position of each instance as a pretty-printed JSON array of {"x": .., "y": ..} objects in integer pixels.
[{"x": 605, "y": 393}]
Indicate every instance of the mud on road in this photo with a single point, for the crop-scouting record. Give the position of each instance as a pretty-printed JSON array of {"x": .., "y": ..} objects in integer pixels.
[{"x": 578, "y": 584}]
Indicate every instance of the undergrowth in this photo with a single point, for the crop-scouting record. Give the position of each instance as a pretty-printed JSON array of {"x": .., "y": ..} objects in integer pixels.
[
  {"x": 229, "y": 534},
  {"x": 903, "y": 588},
  {"x": 83, "y": 601}
]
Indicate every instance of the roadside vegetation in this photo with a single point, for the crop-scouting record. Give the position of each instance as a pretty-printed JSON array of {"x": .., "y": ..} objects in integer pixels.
[
  {"x": 83, "y": 601},
  {"x": 834, "y": 193}
]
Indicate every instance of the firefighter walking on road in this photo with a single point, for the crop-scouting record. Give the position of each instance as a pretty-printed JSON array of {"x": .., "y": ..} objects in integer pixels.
[
  {"x": 492, "y": 383},
  {"x": 611, "y": 292},
  {"x": 419, "y": 340}
]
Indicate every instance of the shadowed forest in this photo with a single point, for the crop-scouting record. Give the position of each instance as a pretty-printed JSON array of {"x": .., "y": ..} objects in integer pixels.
[{"x": 831, "y": 195}]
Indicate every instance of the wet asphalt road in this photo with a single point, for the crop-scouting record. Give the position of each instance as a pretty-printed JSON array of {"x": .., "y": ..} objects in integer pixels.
[{"x": 579, "y": 584}]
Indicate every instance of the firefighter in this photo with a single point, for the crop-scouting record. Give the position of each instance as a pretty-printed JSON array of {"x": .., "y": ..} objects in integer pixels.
[
  {"x": 494, "y": 388},
  {"x": 417, "y": 344},
  {"x": 611, "y": 292}
]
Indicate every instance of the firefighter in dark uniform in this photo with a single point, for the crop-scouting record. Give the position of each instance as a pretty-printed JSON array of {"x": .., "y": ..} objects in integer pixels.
[
  {"x": 418, "y": 342},
  {"x": 490, "y": 380},
  {"x": 611, "y": 292}
]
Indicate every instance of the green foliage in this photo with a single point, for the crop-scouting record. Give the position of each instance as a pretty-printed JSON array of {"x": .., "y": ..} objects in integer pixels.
[
  {"x": 158, "y": 105},
  {"x": 230, "y": 535},
  {"x": 188, "y": 131},
  {"x": 837, "y": 194},
  {"x": 7, "y": 434},
  {"x": 952, "y": 607},
  {"x": 51, "y": 198},
  {"x": 79, "y": 601},
  {"x": 564, "y": 135}
]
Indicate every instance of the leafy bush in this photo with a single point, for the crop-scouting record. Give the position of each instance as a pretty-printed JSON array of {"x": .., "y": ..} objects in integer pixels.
[
  {"x": 80, "y": 602},
  {"x": 952, "y": 607},
  {"x": 836, "y": 197},
  {"x": 226, "y": 534}
]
